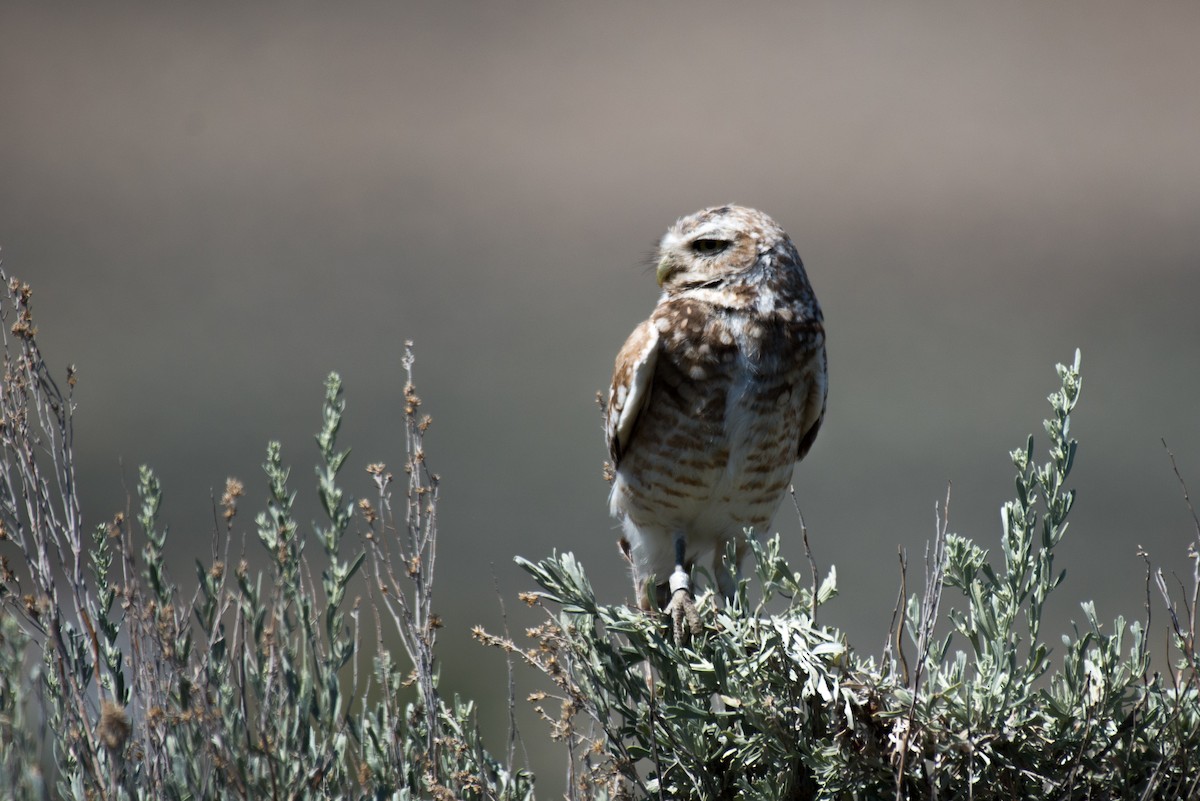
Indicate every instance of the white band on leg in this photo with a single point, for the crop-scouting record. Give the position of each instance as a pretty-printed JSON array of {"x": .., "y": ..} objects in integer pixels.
[{"x": 680, "y": 581}]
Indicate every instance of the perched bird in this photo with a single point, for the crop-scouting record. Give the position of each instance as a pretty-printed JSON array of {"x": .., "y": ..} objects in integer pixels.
[{"x": 713, "y": 400}]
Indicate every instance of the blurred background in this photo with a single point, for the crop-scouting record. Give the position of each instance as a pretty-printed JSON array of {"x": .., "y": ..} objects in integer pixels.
[{"x": 217, "y": 204}]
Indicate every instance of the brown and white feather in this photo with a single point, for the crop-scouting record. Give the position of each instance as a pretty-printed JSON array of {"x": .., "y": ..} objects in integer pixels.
[{"x": 718, "y": 394}]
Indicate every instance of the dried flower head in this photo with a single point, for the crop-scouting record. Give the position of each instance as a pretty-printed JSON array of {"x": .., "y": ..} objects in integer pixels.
[
  {"x": 114, "y": 726},
  {"x": 234, "y": 489}
]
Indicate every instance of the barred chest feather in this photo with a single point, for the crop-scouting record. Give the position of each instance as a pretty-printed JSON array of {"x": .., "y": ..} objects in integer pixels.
[{"x": 733, "y": 383}]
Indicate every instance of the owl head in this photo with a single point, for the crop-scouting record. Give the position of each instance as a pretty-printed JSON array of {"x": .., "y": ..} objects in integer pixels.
[{"x": 713, "y": 245}]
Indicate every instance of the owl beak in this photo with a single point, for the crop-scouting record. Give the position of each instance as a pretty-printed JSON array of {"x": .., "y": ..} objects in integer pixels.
[{"x": 666, "y": 268}]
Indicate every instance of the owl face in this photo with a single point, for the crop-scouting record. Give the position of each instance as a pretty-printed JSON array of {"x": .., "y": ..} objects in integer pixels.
[{"x": 712, "y": 245}]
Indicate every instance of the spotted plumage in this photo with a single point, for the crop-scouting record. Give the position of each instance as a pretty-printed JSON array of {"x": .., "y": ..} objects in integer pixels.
[{"x": 714, "y": 398}]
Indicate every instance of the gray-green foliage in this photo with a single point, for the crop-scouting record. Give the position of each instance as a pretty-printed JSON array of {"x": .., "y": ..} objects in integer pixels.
[
  {"x": 116, "y": 683},
  {"x": 254, "y": 686},
  {"x": 768, "y": 704}
]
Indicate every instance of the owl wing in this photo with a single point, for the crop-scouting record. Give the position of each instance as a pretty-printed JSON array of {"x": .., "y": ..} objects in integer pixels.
[
  {"x": 630, "y": 391},
  {"x": 814, "y": 407}
]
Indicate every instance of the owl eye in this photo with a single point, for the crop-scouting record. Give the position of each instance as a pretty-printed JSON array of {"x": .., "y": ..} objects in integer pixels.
[{"x": 709, "y": 247}]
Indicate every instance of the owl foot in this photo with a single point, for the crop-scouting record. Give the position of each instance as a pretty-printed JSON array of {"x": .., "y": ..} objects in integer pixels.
[{"x": 682, "y": 607}]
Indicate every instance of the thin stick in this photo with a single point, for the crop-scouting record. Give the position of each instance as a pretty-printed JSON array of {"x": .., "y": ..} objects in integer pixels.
[{"x": 812, "y": 563}]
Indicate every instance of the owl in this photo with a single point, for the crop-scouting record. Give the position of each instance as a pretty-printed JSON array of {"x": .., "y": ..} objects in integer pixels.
[{"x": 714, "y": 398}]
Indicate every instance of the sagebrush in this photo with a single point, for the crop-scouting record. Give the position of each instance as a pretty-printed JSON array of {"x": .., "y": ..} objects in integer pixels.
[
  {"x": 265, "y": 678},
  {"x": 251, "y": 685}
]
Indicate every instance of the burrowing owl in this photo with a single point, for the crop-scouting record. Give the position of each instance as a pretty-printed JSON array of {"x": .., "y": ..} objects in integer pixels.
[{"x": 713, "y": 400}]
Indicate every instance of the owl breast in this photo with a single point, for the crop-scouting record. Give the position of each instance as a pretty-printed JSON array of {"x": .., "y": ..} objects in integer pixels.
[{"x": 714, "y": 450}]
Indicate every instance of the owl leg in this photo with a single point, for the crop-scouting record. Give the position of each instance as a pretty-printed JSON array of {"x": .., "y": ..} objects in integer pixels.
[{"x": 682, "y": 607}]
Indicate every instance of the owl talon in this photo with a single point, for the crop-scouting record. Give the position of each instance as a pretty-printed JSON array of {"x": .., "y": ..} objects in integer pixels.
[{"x": 682, "y": 609}]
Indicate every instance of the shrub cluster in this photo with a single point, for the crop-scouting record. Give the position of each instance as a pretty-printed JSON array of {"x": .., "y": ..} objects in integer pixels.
[
  {"x": 117, "y": 683},
  {"x": 769, "y": 704},
  {"x": 249, "y": 687}
]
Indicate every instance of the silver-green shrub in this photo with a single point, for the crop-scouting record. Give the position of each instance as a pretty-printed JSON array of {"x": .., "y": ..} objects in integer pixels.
[
  {"x": 116, "y": 683},
  {"x": 249, "y": 687},
  {"x": 770, "y": 705}
]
